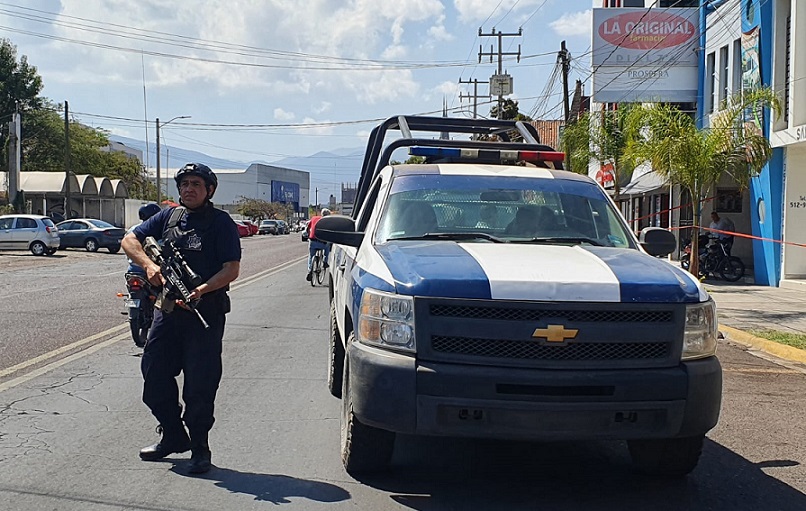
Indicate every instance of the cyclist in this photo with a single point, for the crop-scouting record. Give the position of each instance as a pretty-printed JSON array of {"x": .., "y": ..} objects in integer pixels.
[{"x": 314, "y": 244}]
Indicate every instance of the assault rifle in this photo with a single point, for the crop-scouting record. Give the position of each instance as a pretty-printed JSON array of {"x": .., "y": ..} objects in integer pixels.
[{"x": 179, "y": 276}]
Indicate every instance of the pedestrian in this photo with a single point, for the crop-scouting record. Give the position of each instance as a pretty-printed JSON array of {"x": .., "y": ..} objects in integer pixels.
[
  {"x": 725, "y": 225},
  {"x": 314, "y": 244},
  {"x": 208, "y": 240}
]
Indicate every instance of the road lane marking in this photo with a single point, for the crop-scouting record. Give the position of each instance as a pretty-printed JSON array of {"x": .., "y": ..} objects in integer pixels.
[
  {"x": 112, "y": 331},
  {"x": 63, "y": 349},
  {"x": 53, "y": 365}
]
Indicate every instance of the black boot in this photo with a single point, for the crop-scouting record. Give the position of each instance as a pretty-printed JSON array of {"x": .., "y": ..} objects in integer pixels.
[
  {"x": 200, "y": 460},
  {"x": 174, "y": 440}
]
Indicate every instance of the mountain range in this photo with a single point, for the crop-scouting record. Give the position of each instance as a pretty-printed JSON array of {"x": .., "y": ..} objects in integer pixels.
[{"x": 328, "y": 169}]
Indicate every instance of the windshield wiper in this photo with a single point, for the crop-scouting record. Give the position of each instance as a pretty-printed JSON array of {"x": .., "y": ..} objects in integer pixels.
[
  {"x": 453, "y": 236},
  {"x": 570, "y": 239}
]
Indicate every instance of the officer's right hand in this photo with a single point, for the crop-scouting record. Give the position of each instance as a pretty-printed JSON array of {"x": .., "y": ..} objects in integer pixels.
[{"x": 154, "y": 275}]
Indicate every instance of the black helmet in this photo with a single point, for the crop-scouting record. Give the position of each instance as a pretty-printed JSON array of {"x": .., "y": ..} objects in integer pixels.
[
  {"x": 197, "y": 169},
  {"x": 148, "y": 211}
]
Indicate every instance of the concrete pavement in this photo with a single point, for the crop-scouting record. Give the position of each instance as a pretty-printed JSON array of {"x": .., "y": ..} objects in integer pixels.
[{"x": 743, "y": 307}]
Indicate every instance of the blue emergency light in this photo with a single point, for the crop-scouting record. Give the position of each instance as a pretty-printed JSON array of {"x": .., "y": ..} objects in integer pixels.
[{"x": 486, "y": 154}]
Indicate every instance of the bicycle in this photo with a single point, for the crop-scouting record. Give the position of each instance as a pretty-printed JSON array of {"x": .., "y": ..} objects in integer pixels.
[
  {"x": 714, "y": 259},
  {"x": 317, "y": 267}
]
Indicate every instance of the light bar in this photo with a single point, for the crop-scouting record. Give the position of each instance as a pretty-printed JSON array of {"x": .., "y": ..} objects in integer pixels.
[{"x": 487, "y": 154}]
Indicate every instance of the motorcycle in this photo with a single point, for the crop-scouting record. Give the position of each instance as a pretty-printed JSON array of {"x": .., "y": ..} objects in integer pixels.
[
  {"x": 140, "y": 304},
  {"x": 714, "y": 259}
]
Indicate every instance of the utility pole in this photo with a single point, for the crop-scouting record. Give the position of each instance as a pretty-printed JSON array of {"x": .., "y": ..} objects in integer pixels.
[
  {"x": 475, "y": 95},
  {"x": 565, "y": 60},
  {"x": 14, "y": 158},
  {"x": 67, "y": 205},
  {"x": 159, "y": 190},
  {"x": 501, "y": 55}
]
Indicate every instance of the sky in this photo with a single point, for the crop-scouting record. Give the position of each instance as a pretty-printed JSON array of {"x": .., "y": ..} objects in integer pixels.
[{"x": 262, "y": 80}]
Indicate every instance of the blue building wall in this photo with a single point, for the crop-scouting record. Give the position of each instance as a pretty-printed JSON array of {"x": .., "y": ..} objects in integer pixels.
[{"x": 766, "y": 190}]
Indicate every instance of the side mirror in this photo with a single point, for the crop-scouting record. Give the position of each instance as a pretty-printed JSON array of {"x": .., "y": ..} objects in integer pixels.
[
  {"x": 657, "y": 241},
  {"x": 338, "y": 229}
]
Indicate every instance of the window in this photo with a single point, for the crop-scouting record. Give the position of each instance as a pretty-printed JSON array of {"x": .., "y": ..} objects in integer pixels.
[
  {"x": 25, "y": 223},
  {"x": 736, "y": 86},
  {"x": 723, "y": 74},
  {"x": 5, "y": 223},
  {"x": 709, "y": 86}
]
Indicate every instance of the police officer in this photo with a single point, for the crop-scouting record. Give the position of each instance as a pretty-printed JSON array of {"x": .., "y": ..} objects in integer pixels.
[{"x": 208, "y": 240}]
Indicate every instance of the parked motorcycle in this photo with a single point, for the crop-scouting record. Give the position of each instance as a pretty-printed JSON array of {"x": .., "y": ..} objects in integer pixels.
[
  {"x": 140, "y": 304},
  {"x": 714, "y": 259}
]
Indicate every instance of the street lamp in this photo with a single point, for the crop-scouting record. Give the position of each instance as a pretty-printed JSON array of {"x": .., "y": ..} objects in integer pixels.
[{"x": 159, "y": 190}]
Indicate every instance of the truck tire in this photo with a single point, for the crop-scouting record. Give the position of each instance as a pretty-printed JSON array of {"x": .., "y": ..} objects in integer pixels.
[
  {"x": 670, "y": 457},
  {"x": 364, "y": 449},
  {"x": 335, "y": 367}
]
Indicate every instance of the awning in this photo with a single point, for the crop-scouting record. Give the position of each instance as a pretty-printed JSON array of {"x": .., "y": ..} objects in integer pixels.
[{"x": 645, "y": 183}]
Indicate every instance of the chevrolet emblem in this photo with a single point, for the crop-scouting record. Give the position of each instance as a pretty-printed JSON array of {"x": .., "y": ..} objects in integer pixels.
[{"x": 555, "y": 333}]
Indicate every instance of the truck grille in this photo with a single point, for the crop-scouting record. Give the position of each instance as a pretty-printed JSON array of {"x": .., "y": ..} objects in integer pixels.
[
  {"x": 531, "y": 350},
  {"x": 498, "y": 333}
]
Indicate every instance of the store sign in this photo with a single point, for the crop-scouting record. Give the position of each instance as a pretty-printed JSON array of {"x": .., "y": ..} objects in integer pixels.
[{"x": 645, "y": 55}]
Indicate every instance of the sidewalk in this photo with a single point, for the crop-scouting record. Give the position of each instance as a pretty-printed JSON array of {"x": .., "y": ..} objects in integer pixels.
[{"x": 743, "y": 307}]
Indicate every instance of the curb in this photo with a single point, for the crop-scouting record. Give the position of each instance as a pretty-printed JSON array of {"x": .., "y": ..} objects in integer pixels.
[{"x": 773, "y": 348}]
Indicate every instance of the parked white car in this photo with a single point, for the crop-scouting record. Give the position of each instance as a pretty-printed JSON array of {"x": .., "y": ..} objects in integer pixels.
[{"x": 36, "y": 233}]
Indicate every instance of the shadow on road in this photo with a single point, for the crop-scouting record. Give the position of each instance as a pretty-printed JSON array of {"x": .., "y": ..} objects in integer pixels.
[
  {"x": 440, "y": 474},
  {"x": 274, "y": 488}
]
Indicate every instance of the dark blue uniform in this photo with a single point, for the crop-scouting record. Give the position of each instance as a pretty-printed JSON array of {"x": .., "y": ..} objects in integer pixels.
[{"x": 177, "y": 341}]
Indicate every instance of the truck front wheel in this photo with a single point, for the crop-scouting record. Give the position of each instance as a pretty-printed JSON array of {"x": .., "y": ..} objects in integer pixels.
[
  {"x": 363, "y": 448},
  {"x": 671, "y": 457}
]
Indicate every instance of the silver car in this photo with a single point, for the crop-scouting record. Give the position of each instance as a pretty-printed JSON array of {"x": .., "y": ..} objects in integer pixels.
[{"x": 36, "y": 233}]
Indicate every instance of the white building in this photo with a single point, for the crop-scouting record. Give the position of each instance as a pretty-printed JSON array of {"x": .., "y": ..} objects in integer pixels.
[{"x": 264, "y": 182}]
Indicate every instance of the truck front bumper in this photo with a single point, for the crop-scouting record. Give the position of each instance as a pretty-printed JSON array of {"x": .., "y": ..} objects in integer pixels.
[{"x": 395, "y": 392}]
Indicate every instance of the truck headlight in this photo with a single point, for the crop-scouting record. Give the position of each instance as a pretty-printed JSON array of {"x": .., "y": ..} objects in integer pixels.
[
  {"x": 386, "y": 320},
  {"x": 699, "y": 340}
]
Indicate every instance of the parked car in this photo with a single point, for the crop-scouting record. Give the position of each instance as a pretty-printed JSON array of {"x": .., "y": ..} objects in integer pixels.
[
  {"x": 36, "y": 233},
  {"x": 282, "y": 227},
  {"x": 243, "y": 229},
  {"x": 91, "y": 234},
  {"x": 268, "y": 227},
  {"x": 253, "y": 227}
]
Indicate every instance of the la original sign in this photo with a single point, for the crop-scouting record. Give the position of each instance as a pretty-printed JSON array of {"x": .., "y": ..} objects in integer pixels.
[
  {"x": 631, "y": 30},
  {"x": 645, "y": 36}
]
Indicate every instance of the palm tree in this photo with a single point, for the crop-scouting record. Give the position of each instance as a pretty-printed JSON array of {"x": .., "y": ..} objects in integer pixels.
[
  {"x": 697, "y": 159},
  {"x": 601, "y": 136}
]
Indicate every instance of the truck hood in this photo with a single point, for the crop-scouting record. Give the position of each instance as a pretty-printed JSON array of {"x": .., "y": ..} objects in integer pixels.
[{"x": 535, "y": 272}]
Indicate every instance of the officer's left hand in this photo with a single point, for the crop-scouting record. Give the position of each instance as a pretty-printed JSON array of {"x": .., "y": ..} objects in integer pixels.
[{"x": 195, "y": 294}]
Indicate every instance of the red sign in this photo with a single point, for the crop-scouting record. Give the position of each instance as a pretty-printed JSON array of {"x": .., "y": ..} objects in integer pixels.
[
  {"x": 647, "y": 30},
  {"x": 605, "y": 176}
]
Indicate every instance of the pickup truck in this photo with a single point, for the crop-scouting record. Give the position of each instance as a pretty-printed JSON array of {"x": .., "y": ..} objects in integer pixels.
[{"x": 485, "y": 292}]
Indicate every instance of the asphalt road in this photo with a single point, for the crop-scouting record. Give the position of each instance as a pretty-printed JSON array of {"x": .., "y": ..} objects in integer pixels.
[
  {"x": 70, "y": 432},
  {"x": 48, "y": 303}
]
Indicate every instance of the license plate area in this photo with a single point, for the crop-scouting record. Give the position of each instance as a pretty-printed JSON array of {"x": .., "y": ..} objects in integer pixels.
[{"x": 131, "y": 302}]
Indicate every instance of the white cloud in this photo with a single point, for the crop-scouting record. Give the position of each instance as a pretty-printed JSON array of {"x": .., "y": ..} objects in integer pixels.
[
  {"x": 323, "y": 107},
  {"x": 438, "y": 32},
  {"x": 316, "y": 128},
  {"x": 573, "y": 23},
  {"x": 282, "y": 115},
  {"x": 387, "y": 85}
]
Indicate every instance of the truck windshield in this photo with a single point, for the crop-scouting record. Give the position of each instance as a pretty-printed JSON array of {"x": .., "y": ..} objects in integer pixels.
[{"x": 518, "y": 210}]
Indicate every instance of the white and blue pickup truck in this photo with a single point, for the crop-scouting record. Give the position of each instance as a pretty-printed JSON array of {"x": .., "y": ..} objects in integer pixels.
[{"x": 485, "y": 292}]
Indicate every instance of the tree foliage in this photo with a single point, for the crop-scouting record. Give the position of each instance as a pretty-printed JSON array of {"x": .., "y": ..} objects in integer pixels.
[
  {"x": 259, "y": 209},
  {"x": 601, "y": 136},
  {"x": 697, "y": 159},
  {"x": 20, "y": 86},
  {"x": 43, "y": 142},
  {"x": 509, "y": 111}
]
